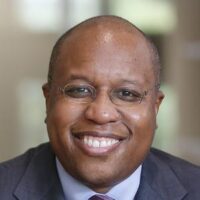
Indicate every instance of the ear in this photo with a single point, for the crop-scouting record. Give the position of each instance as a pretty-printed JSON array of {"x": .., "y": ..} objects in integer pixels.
[
  {"x": 45, "y": 89},
  {"x": 159, "y": 98},
  {"x": 46, "y": 93}
]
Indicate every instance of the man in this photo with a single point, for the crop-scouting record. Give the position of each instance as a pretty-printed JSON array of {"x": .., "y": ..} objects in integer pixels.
[{"x": 102, "y": 99}]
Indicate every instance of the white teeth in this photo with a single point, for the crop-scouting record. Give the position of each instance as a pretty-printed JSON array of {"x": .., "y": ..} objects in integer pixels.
[
  {"x": 99, "y": 142},
  {"x": 113, "y": 141},
  {"x": 85, "y": 139},
  {"x": 109, "y": 142},
  {"x": 103, "y": 143},
  {"x": 95, "y": 143},
  {"x": 90, "y": 142}
]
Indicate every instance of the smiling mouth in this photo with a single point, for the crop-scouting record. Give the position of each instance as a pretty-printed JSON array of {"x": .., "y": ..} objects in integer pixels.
[{"x": 94, "y": 144}]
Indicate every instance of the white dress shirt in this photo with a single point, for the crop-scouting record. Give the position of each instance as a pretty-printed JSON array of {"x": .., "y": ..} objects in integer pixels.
[{"x": 75, "y": 190}]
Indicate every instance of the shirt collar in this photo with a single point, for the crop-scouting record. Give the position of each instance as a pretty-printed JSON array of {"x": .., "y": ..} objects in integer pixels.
[{"x": 75, "y": 190}]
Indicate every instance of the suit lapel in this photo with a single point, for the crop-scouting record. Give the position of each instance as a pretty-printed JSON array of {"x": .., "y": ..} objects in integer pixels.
[
  {"x": 145, "y": 192},
  {"x": 159, "y": 182},
  {"x": 40, "y": 180}
]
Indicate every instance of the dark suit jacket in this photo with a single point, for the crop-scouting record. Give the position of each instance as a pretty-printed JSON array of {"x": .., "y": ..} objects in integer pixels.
[{"x": 33, "y": 176}]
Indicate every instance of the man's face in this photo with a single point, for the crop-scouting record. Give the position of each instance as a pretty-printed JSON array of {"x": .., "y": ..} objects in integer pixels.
[{"x": 101, "y": 139}]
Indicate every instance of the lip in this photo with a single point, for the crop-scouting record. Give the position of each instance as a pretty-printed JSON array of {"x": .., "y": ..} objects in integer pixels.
[{"x": 96, "y": 151}]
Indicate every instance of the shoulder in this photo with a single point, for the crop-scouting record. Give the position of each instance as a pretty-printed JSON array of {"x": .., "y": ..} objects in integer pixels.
[
  {"x": 185, "y": 172},
  {"x": 11, "y": 171},
  {"x": 23, "y": 160},
  {"x": 178, "y": 165}
]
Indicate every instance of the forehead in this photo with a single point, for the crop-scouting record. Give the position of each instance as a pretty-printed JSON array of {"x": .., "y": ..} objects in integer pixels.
[{"x": 100, "y": 51}]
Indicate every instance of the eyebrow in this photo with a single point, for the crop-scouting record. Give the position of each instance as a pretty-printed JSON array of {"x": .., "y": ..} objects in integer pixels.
[
  {"x": 77, "y": 77},
  {"x": 73, "y": 77},
  {"x": 132, "y": 82}
]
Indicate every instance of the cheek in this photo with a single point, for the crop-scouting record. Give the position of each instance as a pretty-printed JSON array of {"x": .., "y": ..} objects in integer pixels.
[
  {"x": 64, "y": 114},
  {"x": 141, "y": 124},
  {"x": 60, "y": 117}
]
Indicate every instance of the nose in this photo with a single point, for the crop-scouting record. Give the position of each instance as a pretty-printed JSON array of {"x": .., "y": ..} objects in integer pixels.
[{"x": 102, "y": 110}]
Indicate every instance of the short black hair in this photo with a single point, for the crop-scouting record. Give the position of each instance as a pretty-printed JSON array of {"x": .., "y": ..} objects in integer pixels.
[{"x": 99, "y": 19}]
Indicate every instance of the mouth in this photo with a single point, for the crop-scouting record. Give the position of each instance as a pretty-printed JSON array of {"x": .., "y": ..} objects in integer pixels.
[{"x": 97, "y": 144}]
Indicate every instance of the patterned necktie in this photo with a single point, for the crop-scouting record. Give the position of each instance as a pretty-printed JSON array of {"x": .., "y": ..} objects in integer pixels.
[{"x": 100, "y": 197}]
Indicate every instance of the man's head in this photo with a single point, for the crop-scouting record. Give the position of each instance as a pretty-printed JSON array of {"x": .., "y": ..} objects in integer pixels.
[
  {"x": 102, "y": 100},
  {"x": 101, "y": 21}
]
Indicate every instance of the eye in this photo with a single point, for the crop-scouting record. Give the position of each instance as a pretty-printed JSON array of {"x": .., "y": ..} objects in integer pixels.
[
  {"x": 129, "y": 95},
  {"x": 78, "y": 91}
]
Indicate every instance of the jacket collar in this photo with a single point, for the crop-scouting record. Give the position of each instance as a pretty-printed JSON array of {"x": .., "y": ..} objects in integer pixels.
[
  {"x": 159, "y": 182},
  {"x": 40, "y": 180}
]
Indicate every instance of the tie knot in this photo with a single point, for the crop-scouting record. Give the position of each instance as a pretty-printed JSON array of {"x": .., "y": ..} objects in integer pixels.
[{"x": 100, "y": 197}]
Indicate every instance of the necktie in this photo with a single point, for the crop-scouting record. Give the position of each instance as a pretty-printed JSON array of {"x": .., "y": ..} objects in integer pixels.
[{"x": 100, "y": 197}]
